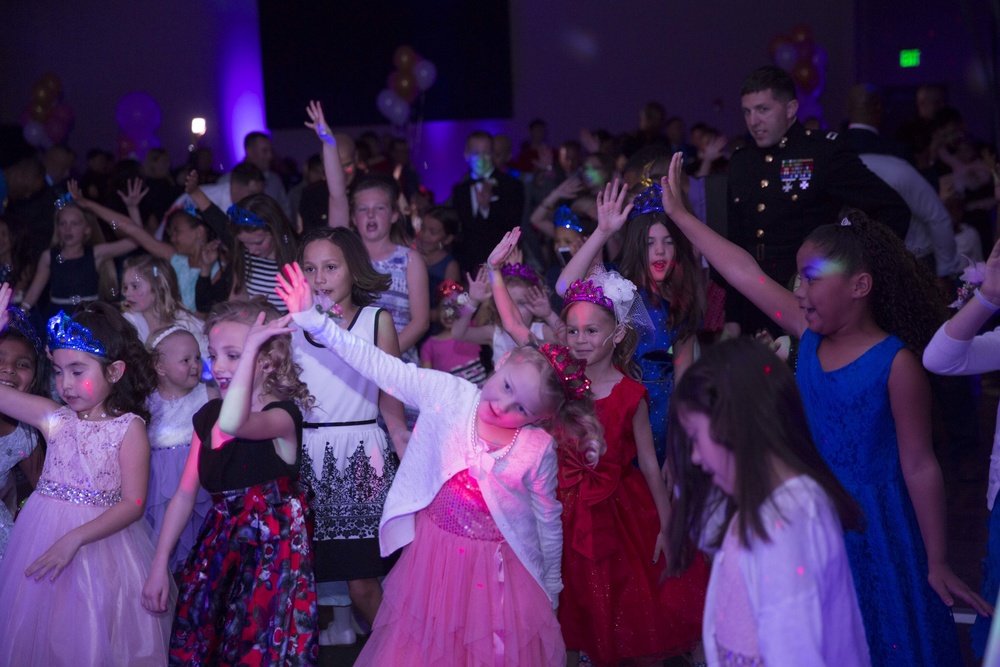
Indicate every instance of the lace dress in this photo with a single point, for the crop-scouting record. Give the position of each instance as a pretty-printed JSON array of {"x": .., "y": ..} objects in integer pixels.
[
  {"x": 906, "y": 623},
  {"x": 14, "y": 447},
  {"x": 91, "y": 614}
]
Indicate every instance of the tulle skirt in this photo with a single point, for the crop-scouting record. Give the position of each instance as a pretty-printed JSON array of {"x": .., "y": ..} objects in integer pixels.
[
  {"x": 92, "y": 613},
  {"x": 453, "y": 600},
  {"x": 165, "y": 469}
]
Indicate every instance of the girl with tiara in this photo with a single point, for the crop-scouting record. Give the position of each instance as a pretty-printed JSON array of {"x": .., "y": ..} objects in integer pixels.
[
  {"x": 616, "y": 605},
  {"x": 264, "y": 242},
  {"x": 179, "y": 394},
  {"x": 661, "y": 262},
  {"x": 71, "y": 580},
  {"x": 473, "y": 502},
  {"x": 247, "y": 593}
]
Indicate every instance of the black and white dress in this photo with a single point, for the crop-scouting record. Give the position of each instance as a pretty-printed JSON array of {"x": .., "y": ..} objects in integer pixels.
[{"x": 345, "y": 458}]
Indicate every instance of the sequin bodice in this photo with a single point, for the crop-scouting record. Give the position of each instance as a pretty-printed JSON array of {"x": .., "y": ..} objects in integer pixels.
[
  {"x": 81, "y": 463},
  {"x": 460, "y": 509},
  {"x": 735, "y": 625}
]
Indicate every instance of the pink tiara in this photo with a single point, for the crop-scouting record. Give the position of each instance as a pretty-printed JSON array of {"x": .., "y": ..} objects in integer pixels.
[
  {"x": 520, "y": 271},
  {"x": 570, "y": 370},
  {"x": 588, "y": 291}
]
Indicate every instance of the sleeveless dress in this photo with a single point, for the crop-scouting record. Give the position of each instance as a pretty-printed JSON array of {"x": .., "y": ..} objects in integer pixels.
[
  {"x": 72, "y": 281},
  {"x": 14, "y": 447},
  {"x": 613, "y": 606},
  {"x": 435, "y": 275},
  {"x": 397, "y": 298},
  {"x": 170, "y": 431},
  {"x": 346, "y": 459},
  {"x": 850, "y": 417},
  {"x": 247, "y": 594},
  {"x": 261, "y": 281},
  {"x": 655, "y": 357},
  {"x": 91, "y": 614},
  {"x": 471, "y": 620}
]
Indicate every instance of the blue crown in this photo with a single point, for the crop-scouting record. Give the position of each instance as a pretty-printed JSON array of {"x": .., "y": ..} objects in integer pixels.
[
  {"x": 191, "y": 209},
  {"x": 65, "y": 334},
  {"x": 649, "y": 200},
  {"x": 244, "y": 218},
  {"x": 63, "y": 201},
  {"x": 566, "y": 218},
  {"x": 17, "y": 321}
]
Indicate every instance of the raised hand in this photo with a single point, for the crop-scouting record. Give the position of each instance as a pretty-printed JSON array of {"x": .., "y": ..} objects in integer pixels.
[
  {"x": 673, "y": 199},
  {"x": 480, "y": 289},
  {"x": 191, "y": 182},
  {"x": 317, "y": 122},
  {"x": 538, "y": 303},
  {"x": 74, "y": 191},
  {"x": 569, "y": 188},
  {"x": 261, "y": 331},
  {"x": 293, "y": 289},
  {"x": 589, "y": 141},
  {"x": 503, "y": 250},
  {"x": 134, "y": 193},
  {"x": 611, "y": 209}
]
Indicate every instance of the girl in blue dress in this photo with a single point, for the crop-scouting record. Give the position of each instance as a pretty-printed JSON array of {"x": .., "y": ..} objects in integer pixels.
[
  {"x": 863, "y": 309},
  {"x": 662, "y": 264}
]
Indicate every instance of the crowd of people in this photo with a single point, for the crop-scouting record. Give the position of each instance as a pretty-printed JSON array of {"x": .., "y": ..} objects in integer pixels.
[{"x": 637, "y": 397}]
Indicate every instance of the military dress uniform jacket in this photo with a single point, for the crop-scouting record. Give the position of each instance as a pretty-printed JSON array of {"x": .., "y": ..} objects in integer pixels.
[{"x": 780, "y": 194}]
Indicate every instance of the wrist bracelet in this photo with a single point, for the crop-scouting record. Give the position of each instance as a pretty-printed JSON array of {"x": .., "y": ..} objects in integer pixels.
[
  {"x": 326, "y": 136},
  {"x": 985, "y": 302}
]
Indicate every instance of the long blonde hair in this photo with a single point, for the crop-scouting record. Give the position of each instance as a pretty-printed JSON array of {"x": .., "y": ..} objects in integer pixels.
[
  {"x": 107, "y": 285},
  {"x": 162, "y": 281}
]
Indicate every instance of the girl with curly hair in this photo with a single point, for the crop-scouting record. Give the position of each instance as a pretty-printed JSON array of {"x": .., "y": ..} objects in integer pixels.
[
  {"x": 864, "y": 310},
  {"x": 247, "y": 592}
]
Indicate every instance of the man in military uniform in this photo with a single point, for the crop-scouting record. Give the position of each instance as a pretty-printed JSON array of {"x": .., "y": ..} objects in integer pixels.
[{"x": 793, "y": 180}]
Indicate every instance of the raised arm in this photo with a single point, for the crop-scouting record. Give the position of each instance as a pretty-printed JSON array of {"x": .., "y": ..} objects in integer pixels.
[
  {"x": 419, "y": 299},
  {"x": 732, "y": 262},
  {"x": 211, "y": 214},
  {"x": 541, "y": 217},
  {"x": 612, "y": 213},
  {"x": 391, "y": 409},
  {"x": 462, "y": 329},
  {"x": 339, "y": 207},
  {"x": 510, "y": 317}
]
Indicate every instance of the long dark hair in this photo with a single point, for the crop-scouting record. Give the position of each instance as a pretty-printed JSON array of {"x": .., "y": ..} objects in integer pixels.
[
  {"x": 755, "y": 411},
  {"x": 368, "y": 283},
  {"x": 282, "y": 236}
]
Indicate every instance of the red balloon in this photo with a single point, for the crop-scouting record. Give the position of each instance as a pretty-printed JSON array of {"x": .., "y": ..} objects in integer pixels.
[
  {"x": 806, "y": 76},
  {"x": 39, "y": 112},
  {"x": 404, "y": 85},
  {"x": 802, "y": 33},
  {"x": 405, "y": 58},
  {"x": 56, "y": 129}
]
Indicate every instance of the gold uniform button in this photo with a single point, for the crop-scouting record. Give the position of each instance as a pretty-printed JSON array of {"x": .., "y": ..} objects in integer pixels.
[
  {"x": 795, "y": 197},
  {"x": 763, "y": 183},
  {"x": 736, "y": 200},
  {"x": 760, "y": 233},
  {"x": 760, "y": 207},
  {"x": 808, "y": 132},
  {"x": 768, "y": 158}
]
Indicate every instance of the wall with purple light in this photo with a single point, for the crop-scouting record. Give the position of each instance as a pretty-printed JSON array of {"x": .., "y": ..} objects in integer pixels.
[{"x": 577, "y": 64}]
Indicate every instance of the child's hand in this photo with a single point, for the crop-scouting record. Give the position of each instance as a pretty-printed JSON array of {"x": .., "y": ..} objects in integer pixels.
[
  {"x": 293, "y": 289},
  {"x": 191, "y": 182},
  {"x": 947, "y": 585},
  {"x": 134, "y": 193},
  {"x": 569, "y": 188},
  {"x": 611, "y": 209},
  {"x": 74, "y": 191},
  {"x": 209, "y": 254},
  {"x": 480, "y": 289},
  {"x": 538, "y": 303},
  {"x": 156, "y": 590},
  {"x": 661, "y": 546},
  {"x": 503, "y": 250},
  {"x": 990, "y": 288},
  {"x": 318, "y": 122},
  {"x": 5, "y": 294},
  {"x": 673, "y": 200},
  {"x": 55, "y": 559},
  {"x": 260, "y": 331}
]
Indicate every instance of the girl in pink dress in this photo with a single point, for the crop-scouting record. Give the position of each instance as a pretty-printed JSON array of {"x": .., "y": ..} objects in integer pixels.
[{"x": 444, "y": 352}]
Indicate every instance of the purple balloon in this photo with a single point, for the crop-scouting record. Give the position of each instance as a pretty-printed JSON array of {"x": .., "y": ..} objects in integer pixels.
[
  {"x": 809, "y": 107},
  {"x": 34, "y": 134},
  {"x": 785, "y": 56},
  {"x": 393, "y": 107},
  {"x": 144, "y": 144},
  {"x": 820, "y": 59},
  {"x": 424, "y": 73},
  {"x": 138, "y": 114}
]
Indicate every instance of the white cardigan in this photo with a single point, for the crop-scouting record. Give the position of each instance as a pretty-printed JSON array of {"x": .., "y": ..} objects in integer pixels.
[
  {"x": 519, "y": 489},
  {"x": 800, "y": 585}
]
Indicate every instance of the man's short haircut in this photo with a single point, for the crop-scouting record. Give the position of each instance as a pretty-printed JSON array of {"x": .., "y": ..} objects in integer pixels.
[
  {"x": 252, "y": 138},
  {"x": 479, "y": 134},
  {"x": 538, "y": 122},
  {"x": 772, "y": 78},
  {"x": 245, "y": 173}
]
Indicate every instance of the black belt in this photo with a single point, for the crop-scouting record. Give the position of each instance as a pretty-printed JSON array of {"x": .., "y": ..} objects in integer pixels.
[{"x": 363, "y": 422}]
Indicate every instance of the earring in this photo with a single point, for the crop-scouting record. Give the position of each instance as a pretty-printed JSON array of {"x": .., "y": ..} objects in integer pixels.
[{"x": 440, "y": 245}]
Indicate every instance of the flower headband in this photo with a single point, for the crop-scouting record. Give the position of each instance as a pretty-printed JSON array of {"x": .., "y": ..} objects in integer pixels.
[
  {"x": 610, "y": 290},
  {"x": 17, "y": 321},
  {"x": 452, "y": 297},
  {"x": 564, "y": 217},
  {"x": 649, "y": 200},
  {"x": 520, "y": 271},
  {"x": 244, "y": 218},
  {"x": 65, "y": 334},
  {"x": 570, "y": 370}
]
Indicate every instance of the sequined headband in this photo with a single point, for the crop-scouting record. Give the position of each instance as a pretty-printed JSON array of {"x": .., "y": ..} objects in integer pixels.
[
  {"x": 17, "y": 322},
  {"x": 244, "y": 218},
  {"x": 520, "y": 271},
  {"x": 566, "y": 218},
  {"x": 63, "y": 201},
  {"x": 649, "y": 200},
  {"x": 65, "y": 334},
  {"x": 587, "y": 291},
  {"x": 570, "y": 370},
  {"x": 192, "y": 210}
]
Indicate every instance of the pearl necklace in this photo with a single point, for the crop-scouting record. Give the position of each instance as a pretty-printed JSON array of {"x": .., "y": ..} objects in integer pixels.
[
  {"x": 86, "y": 417},
  {"x": 477, "y": 447}
]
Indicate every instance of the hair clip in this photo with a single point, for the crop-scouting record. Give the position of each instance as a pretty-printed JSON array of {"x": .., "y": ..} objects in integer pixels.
[
  {"x": 570, "y": 370},
  {"x": 564, "y": 217},
  {"x": 63, "y": 201},
  {"x": 649, "y": 200},
  {"x": 65, "y": 334},
  {"x": 191, "y": 209},
  {"x": 17, "y": 322},
  {"x": 520, "y": 271},
  {"x": 244, "y": 218},
  {"x": 156, "y": 273},
  {"x": 166, "y": 332},
  {"x": 845, "y": 223}
]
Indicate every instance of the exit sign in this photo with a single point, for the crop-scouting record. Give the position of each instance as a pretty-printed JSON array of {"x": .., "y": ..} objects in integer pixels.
[{"x": 909, "y": 58}]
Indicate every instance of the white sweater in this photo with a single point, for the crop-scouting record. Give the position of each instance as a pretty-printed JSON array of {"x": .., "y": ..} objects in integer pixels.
[{"x": 519, "y": 489}]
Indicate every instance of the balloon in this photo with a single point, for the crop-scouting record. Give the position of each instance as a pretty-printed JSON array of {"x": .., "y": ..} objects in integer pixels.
[
  {"x": 42, "y": 95},
  {"x": 809, "y": 108},
  {"x": 52, "y": 83},
  {"x": 805, "y": 76},
  {"x": 125, "y": 147},
  {"x": 39, "y": 111},
  {"x": 34, "y": 134},
  {"x": 805, "y": 50},
  {"x": 776, "y": 42},
  {"x": 138, "y": 114},
  {"x": 56, "y": 129},
  {"x": 63, "y": 111},
  {"x": 401, "y": 114},
  {"x": 425, "y": 74},
  {"x": 405, "y": 58},
  {"x": 393, "y": 107},
  {"x": 402, "y": 84},
  {"x": 801, "y": 33},
  {"x": 786, "y": 56},
  {"x": 820, "y": 59}
]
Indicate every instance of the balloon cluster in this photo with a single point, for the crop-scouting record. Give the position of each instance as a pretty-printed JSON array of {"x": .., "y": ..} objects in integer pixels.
[
  {"x": 413, "y": 75},
  {"x": 47, "y": 119},
  {"x": 806, "y": 61},
  {"x": 138, "y": 117}
]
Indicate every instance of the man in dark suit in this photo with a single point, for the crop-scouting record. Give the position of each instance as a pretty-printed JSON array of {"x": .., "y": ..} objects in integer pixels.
[{"x": 489, "y": 204}]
